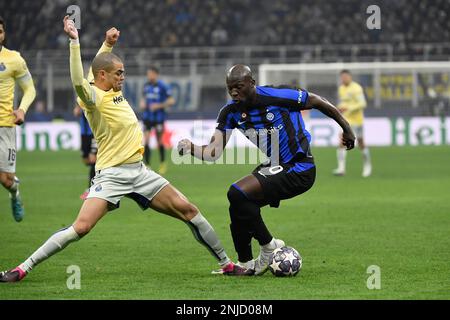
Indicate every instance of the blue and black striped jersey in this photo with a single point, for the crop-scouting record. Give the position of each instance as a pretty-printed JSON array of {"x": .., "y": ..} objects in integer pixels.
[
  {"x": 276, "y": 113},
  {"x": 155, "y": 93}
]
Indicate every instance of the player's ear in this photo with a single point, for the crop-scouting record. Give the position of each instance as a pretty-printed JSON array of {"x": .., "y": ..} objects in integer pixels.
[{"x": 101, "y": 74}]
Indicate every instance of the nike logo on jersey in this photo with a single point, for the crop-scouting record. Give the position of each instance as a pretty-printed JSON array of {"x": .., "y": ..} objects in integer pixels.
[{"x": 241, "y": 122}]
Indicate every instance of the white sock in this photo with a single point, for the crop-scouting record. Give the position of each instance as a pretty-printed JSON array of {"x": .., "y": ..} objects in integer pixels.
[
  {"x": 14, "y": 190},
  {"x": 205, "y": 234},
  {"x": 366, "y": 156},
  {"x": 270, "y": 246},
  {"x": 54, "y": 244},
  {"x": 341, "y": 156}
]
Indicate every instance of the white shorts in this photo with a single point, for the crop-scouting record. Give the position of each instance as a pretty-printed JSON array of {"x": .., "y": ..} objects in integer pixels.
[
  {"x": 8, "y": 149},
  {"x": 134, "y": 181},
  {"x": 358, "y": 130}
]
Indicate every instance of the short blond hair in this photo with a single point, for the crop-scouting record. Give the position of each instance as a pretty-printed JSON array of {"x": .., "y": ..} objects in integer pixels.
[{"x": 104, "y": 61}]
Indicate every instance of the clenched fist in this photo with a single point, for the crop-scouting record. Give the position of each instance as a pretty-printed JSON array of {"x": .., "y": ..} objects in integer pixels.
[
  {"x": 184, "y": 147},
  {"x": 112, "y": 35}
]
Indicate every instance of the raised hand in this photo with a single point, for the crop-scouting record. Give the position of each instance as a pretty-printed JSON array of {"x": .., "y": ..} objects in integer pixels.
[
  {"x": 69, "y": 28},
  {"x": 112, "y": 35}
]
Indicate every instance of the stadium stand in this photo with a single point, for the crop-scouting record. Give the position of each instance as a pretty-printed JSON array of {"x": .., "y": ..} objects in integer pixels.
[{"x": 186, "y": 37}]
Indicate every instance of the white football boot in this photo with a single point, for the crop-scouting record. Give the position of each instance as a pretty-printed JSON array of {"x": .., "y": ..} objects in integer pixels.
[{"x": 262, "y": 262}]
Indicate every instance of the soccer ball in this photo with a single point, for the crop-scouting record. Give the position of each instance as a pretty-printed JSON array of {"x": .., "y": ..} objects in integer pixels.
[{"x": 285, "y": 262}]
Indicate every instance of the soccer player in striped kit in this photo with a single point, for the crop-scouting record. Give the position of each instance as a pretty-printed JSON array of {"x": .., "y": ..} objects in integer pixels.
[
  {"x": 270, "y": 117},
  {"x": 157, "y": 99}
]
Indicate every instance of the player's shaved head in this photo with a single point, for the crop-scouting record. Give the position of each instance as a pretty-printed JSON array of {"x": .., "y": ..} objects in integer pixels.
[
  {"x": 239, "y": 72},
  {"x": 240, "y": 83},
  {"x": 104, "y": 61}
]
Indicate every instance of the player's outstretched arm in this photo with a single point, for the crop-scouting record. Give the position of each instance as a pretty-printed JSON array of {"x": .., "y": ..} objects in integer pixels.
[
  {"x": 81, "y": 85},
  {"x": 111, "y": 37},
  {"x": 210, "y": 152},
  {"x": 324, "y": 106}
]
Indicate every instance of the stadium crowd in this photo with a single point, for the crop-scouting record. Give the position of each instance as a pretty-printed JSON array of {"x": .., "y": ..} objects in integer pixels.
[{"x": 178, "y": 23}]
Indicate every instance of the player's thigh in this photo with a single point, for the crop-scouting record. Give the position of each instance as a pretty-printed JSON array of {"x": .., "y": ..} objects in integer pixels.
[
  {"x": 91, "y": 212},
  {"x": 285, "y": 181},
  {"x": 341, "y": 145},
  {"x": 251, "y": 187},
  {"x": 8, "y": 151},
  {"x": 112, "y": 184},
  {"x": 148, "y": 126},
  {"x": 359, "y": 134},
  {"x": 86, "y": 141},
  {"x": 159, "y": 127},
  {"x": 172, "y": 202}
]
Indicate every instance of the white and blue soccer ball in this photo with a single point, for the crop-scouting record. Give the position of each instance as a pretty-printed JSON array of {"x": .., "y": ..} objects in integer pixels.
[{"x": 285, "y": 262}]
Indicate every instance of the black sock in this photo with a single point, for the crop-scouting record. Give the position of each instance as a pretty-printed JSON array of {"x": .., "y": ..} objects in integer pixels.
[
  {"x": 242, "y": 239},
  {"x": 162, "y": 154},
  {"x": 246, "y": 216},
  {"x": 147, "y": 155}
]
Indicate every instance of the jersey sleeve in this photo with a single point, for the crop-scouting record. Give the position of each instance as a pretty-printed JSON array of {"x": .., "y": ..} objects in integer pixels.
[
  {"x": 286, "y": 96},
  {"x": 23, "y": 77},
  {"x": 21, "y": 69},
  {"x": 82, "y": 87},
  {"x": 225, "y": 120}
]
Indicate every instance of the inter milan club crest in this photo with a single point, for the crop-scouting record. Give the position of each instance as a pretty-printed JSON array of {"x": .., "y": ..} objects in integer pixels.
[
  {"x": 270, "y": 116},
  {"x": 244, "y": 115},
  {"x": 2, "y": 67}
]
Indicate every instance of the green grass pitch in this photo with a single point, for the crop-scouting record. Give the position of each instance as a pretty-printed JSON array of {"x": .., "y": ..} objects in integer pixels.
[{"x": 398, "y": 219}]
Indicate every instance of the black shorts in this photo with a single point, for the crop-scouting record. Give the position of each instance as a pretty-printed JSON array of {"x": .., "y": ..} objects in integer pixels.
[
  {"x": 88, "y": 145},
  {"x": 149, "y": 125},
  {"x": 283, "y": 181}
]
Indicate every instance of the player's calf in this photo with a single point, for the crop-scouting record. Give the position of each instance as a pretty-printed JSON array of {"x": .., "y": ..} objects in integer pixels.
[
  {"x": 7, "y": 180},
  {"x": 11, "y": 183},
  {"x": 57, "y": 242}
]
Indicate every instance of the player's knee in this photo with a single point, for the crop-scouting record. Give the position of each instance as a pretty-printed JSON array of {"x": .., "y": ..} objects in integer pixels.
[
  {"x": 187, "y": 209},
  {"x": 82, "y": 228},
  {"x": 235, "y": 196},
  {"x": 190, "y": 212}
]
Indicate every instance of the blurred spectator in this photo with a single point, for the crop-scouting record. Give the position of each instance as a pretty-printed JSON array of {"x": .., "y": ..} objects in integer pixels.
[
  {"x": 39, "y": 114},
  {"x": 174, "y": 23}
]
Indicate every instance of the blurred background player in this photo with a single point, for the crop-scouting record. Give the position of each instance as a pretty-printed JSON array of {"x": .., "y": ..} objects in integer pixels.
[
  {"x": 13, "y": 69},
  {"x": 156, "y": 99},
  {"x": 351, "y": 104},
  {"x": 88, "y": 147}
]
